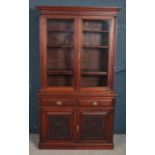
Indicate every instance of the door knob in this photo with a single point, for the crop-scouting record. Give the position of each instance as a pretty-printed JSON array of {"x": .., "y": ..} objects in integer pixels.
[
  {"x": 95, "y": 103},
  {"x": 59, "y": 103}
]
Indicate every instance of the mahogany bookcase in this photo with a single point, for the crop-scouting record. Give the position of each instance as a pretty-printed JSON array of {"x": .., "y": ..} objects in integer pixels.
[{"x": 76, "y": 99}]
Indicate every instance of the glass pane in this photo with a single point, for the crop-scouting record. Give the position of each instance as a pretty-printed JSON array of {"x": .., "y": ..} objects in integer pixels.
[
  {"x": 60, "y": 80},
  {"x": 60, "y": 24},
  {"x": 60, "y": 59},
  {"x": 95, "y": 60},
  {"x": 95, "y": 46},
  {"x": 93, "y": 81},
  {"x": 60, "y": 52},
  {"x": 96, "y": 25},
  {"x": 94, "y": 39}
]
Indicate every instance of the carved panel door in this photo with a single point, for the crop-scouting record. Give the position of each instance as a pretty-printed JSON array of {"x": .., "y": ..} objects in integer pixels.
[
  {"x": 58, "y": 125},
  {"x": 95, "y": 125}
]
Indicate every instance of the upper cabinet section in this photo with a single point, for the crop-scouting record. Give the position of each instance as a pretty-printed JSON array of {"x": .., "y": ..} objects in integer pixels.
[{"x": 77, "y": 46}]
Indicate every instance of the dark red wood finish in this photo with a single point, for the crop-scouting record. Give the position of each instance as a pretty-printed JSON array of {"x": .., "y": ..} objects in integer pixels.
[{"x": 76, "y": 106}]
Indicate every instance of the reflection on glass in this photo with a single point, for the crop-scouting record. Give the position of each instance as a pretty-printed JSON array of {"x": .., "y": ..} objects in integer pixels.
[
  {"x": 60, "y": 52},
  {"x": 94, "y": 61}
]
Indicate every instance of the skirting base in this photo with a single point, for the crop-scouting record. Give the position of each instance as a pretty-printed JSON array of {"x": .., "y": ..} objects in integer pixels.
[{"x": 77, "y": 146}]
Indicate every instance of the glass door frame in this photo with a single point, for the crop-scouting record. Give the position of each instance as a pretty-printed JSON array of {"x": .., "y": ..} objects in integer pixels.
[
  {"x": 43, "y": 52},
  {"x": 111, "y": 51}
]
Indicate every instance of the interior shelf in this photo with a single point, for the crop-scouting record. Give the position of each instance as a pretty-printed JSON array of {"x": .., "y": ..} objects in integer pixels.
[
  {"x": 60, "y": 72},
  {"x": 93, "y": 73},
  {"x": 60, "y": 46},
  {"x": 95, "y": 46},
  {"x": 59, "y": 30},
  {"x": 95, "y": 31}
]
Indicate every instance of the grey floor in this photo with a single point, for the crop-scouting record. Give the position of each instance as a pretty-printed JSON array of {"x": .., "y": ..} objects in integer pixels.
[{"x": 119, "y": 149}]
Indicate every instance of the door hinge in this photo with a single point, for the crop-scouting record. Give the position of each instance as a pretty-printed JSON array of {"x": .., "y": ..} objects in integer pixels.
[{"x": 77, "y": 128}]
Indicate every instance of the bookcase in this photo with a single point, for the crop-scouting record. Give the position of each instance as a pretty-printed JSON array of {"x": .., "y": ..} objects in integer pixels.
[{"x": 76, "y": 99}]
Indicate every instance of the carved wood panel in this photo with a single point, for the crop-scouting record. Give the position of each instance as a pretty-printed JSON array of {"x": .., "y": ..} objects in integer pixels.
[
  {"x": 60, "y": 126},
  {"x": 92, "y": 125}
]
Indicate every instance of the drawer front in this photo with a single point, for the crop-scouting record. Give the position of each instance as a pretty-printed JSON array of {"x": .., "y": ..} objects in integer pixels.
[
  {"x": 95, "y": 102},
  {"x": 57, "y": 102}
]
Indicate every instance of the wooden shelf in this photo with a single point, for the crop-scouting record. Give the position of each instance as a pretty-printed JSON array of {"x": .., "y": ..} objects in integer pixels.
[
  {"x": 70, "y": 72},
  {"x": 60, "y": 46},
  {"x": 93, "y": 73},
  {"x": 60, "y": 72},
  {"x": 97, "y": 46},
  {"x": 95, "y": 31},
  {"x": 52, "y": 30}
]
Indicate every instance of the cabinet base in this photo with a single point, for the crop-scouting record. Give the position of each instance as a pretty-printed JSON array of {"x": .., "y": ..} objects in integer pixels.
[{"x": 84, "y": 146}]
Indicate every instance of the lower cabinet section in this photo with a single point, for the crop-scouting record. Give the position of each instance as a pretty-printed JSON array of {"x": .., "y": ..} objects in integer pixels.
[{"x": 76, "y": 128}]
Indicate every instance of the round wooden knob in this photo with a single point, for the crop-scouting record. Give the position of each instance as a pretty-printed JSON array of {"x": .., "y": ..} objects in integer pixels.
[
  {"x": 59, "y": 103},
  {"x": 95, "y": 103}
]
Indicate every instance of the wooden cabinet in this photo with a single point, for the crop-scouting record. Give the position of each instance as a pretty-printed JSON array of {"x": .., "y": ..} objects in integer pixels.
[{"x": 77, "y": 100}]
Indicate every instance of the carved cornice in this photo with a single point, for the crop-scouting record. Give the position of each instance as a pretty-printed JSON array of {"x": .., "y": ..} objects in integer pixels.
[{"x": 55, "y": 10}]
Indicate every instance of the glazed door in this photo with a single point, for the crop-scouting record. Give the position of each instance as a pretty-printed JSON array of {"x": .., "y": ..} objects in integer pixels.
[
  {"x": 58, "y": 49},
  {"x": 95, "y": 125},
  {"x": 95, "y": 48}
]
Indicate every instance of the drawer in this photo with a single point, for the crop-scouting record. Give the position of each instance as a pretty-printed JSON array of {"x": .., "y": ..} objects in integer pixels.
[
  {"x": 57, "y": 102},
  {"x": 95, "y": 102}
]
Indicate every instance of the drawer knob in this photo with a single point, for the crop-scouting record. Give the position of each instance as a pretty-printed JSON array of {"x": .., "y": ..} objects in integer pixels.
[
  {"x": 95, "y": 103},
  {"x": 59, "y": 103}
]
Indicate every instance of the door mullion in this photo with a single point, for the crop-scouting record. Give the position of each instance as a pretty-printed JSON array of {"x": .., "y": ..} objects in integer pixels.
[{"x": 79, "y": 41}]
